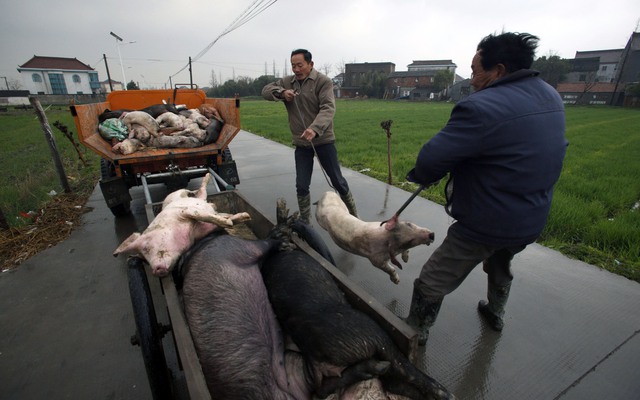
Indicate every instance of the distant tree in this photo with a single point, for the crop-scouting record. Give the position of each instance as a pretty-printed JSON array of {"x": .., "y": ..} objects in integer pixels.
[
  {"x": 13, "y": 84},
  {"x": 553, "y": 69},
  {"x": 214, "y": 82},
  {"x": 132, "y": 86},
  {"x": 340, "y": 67},
  {"x": 326, "y": 69},
  {"x": 260, "y": 82},
  {"x": 633, "y": 90},
  {"x": 442, "y": 79},
  {"x": 373, "y": 84},
  {"x": 241, "y": 86}
]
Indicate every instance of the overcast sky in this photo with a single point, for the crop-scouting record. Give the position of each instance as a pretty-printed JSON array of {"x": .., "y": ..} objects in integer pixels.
[{"x": 167, "y": 33}]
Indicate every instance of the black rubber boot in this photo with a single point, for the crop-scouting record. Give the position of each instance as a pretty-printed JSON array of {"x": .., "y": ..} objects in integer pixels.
[
  {"x": 423, "y": 314},
  {"x": 304, "y": 205},
  {"x": 350, "y": 203},
  {"x": 492, "y": 311}
]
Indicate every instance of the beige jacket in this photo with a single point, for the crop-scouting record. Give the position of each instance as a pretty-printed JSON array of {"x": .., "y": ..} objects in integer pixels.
[{"x": 314, "y": 107}]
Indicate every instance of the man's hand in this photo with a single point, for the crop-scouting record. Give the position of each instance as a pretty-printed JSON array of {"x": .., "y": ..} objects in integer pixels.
[
  {"x": 411, "y": 177},
  {"x": 308, "y": 134},
  {"x": 288, "y": 95}
]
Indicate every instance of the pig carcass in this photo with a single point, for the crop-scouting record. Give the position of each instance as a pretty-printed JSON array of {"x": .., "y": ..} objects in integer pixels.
[
  {"x": 186, "y": 216},
  {"x": 128, "y": 146},
  {"x": 341, "y": 345},
  {"x": 235, "y": 333},
  {"x": 380, "y": 244},
  {"x": 141, "y": 118}
]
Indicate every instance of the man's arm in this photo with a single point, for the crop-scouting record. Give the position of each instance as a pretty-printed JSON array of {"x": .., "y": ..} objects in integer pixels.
[
  {"x": 327, "y": 107},
  {"x": 460, "y": 139},
  {"x": 273, "y": 91}
]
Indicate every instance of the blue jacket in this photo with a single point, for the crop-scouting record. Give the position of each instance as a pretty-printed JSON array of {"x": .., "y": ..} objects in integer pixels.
[{"x": 504, "y": 147}]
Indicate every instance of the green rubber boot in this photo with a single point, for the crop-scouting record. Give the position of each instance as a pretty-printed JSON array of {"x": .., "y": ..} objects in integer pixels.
[
  {"x": 304, "y": 205},
  {"x": 350, "y": 203},
  {"x": 492, "y": 311},
  {"x": 423, "y": 314}
]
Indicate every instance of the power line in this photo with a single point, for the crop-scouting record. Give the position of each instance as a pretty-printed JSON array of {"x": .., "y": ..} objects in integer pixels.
[{"x": 257, "y": 7}]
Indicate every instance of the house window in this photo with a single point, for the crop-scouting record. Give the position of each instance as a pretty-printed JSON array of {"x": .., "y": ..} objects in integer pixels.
[
  {"x": 76, "y": 78},
  {"x": 604, "y": 67},
  {"x": 57, "y": 84},
  {"x": 36, "y": 78},
  {"x": 582, "y": 78}
]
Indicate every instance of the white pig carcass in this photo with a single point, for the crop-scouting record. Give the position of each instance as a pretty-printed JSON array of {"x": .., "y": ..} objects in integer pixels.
[
  {"x": 186, "y": 216},
  {"x": 379, "y": 243}
]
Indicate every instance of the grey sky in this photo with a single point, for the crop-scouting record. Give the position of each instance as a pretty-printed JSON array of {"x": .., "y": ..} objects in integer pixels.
[{"x": 167, "y": 33}]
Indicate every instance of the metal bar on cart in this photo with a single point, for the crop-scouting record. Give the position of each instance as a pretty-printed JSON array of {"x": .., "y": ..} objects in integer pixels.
[
  {"x": 222, "y": 181},
  {"x": 145, "y": 188}
]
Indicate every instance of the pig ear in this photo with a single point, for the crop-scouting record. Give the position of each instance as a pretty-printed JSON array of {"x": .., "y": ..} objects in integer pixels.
[{"x": 391, "y": 223}]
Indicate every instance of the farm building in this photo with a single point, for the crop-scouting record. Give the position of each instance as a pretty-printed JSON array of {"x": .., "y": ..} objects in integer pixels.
[{"x": 58, "y": 75}]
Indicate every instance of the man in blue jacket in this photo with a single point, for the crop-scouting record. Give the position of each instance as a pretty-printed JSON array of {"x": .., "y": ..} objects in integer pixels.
[{"x": 503, "y": 147}]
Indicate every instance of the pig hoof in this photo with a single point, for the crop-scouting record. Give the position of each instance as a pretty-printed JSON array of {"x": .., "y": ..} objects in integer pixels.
[{"x": 395, "y": 278}]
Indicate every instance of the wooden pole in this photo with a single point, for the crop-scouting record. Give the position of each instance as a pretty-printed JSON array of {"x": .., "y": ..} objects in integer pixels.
[
  {"x": 386, "y": 125},
  {"x": 52, "y": 143},
  {"x": 106, "y": 66}
]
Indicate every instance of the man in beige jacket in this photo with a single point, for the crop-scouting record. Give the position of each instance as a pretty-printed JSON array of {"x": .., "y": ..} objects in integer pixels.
[{"x": 308, "y": 97}]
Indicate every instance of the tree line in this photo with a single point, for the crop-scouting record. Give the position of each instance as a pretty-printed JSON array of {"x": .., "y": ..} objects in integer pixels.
[{"x": 373, "y": 85}]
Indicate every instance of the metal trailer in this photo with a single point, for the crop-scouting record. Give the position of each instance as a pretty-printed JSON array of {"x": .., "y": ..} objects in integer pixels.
[
  {"x": 168, "y": 382},
  {"x": 175, "y": 166}
]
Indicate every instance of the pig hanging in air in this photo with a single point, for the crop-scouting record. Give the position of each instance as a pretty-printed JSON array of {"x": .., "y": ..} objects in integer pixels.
[
  {"x": 379, "y": 243},
  {"x": 186, "y": 216}
]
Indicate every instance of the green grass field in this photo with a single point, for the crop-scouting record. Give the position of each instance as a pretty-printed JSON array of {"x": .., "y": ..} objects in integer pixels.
[
  {"x": 595, "y": 215},
  {"x": 28, "y": 171}
]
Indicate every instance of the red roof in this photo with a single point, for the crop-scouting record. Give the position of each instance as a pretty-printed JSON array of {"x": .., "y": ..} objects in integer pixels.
[
  {"x": 581, "y": 87},
  {"x": 40, "y": 62}
]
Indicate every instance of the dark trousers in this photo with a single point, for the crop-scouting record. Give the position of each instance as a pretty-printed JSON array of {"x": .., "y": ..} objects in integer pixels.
[
  {"x": 328, "y": 156},
  {"x": 456, "y": 257}
]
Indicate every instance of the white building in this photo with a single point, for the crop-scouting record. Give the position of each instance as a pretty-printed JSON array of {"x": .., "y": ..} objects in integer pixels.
[
  {"x": 58, "y": 75},
  {"x": 106, "y": 88}
]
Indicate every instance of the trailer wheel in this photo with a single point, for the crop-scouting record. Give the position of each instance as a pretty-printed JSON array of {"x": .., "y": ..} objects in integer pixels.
[
  {"x": 226, "y": 169},
  {"x": 107, "y": 173},
  {"x": 148, "y": 332}
]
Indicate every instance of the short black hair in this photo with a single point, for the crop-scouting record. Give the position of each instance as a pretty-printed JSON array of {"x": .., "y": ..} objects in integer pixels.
[
  {"x": 514, "y": 50},
  {"x": 306, "y": 54}
]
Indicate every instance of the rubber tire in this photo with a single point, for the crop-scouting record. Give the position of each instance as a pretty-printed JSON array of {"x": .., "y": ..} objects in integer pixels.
[
  {"x": 226, "y": 157},
  {"x": 107, "y": 171},
  {"x": 148, "y": 332}
]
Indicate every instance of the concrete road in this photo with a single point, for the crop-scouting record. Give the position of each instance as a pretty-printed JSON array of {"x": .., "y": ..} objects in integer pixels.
[{"x": 571, "y": 328}]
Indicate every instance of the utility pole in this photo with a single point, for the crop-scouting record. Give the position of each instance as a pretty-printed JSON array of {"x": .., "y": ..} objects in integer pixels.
[
  {"x": 118, "y": 40},
  {"x": 625, "y": 53},
  {"x": 106, "y": 66}
]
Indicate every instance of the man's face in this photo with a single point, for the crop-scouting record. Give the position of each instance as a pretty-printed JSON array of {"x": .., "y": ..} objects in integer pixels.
[
  {"x": 301, "y": 69},
  {"x": 480, "y": 78}
]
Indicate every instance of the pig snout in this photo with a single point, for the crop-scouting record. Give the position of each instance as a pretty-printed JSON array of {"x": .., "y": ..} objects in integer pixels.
[{"x": 408, "y": 234}]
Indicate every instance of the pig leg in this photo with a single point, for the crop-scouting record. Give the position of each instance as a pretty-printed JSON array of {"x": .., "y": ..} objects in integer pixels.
[
  {"x": 237, "y": 218},
  {"x": 362, "y": 371},
  {"x": 202, "y": 191},
  {"x": 206, "y": 213},
  {"x": 388, "y": 268},
  {"x": 405, "y": 256}
]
